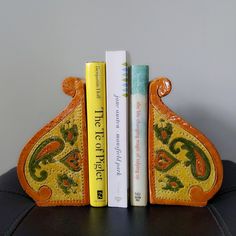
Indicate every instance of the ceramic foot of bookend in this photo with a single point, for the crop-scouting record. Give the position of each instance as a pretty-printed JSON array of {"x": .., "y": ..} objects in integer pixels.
[
  {"x": 184, "y": 166},
  {"x": 53, "y": 166}
]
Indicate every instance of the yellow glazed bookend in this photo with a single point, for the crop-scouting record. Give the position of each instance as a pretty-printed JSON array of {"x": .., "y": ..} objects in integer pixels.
[
  {"x": 184, "y": 166},
  {"x": 53, "y": 165}
]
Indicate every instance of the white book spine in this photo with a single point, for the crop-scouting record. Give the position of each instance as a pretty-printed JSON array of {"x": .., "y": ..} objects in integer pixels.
[
  {"x": 138, "y": 142},
  {"x": 117, "y": 128}
]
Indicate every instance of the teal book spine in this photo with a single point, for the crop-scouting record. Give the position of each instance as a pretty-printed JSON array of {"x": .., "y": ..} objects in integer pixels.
[{"x": 138, "y": 142}]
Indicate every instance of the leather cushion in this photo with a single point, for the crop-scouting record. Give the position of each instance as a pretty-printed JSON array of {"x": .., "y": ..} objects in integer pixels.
[{"x": 20, "y": 216}]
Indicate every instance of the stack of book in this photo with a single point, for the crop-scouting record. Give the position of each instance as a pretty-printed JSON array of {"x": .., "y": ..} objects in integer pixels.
[{"x": 117, "y": 129}]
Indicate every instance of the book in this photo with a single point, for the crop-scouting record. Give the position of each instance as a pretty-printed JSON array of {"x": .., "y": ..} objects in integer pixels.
[
  {"x": 117, "y": 128},
  {"x": 96, "y": 125},
  {"x": 138, "y": 142}
]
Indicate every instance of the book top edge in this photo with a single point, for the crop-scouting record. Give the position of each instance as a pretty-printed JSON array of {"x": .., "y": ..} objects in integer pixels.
[
  {"x": 139, "y": 66},
  {"x": 114, "y": 52},
  {"x": 95, "y": 62}
]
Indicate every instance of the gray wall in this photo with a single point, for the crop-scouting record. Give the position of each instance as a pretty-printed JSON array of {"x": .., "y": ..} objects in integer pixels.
[{"x": 41, "y": 42}]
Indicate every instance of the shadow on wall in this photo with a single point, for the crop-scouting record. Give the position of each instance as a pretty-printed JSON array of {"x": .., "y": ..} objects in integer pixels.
[{"x": 219, "y": 131}]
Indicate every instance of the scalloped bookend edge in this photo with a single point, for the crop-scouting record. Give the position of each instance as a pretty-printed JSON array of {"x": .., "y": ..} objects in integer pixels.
[
  {"x": 184, "y": 166},
  {"x": 53, "y": 165}
]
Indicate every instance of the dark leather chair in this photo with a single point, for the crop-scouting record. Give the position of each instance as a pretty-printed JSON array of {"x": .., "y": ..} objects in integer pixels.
[{"x": 20, "y": 216}]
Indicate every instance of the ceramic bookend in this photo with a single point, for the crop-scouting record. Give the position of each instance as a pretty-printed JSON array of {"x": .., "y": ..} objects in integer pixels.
[
  {"x": 53, "y": 166},
  {"x": 184, "y": 166}
]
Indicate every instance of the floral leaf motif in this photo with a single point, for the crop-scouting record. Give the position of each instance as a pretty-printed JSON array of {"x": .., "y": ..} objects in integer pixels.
[
  {"x": 173, "y": 183},
  {"x": 70, "y": 134},
  {"x": 44, "y": 153},
  {"x": 200, "y": 165},
  {"x": 66, "y": 184},
  {"x": 72, "y": 160},
  {"x": 163, "y": 133},
  {"x": 164, "y": 161}
]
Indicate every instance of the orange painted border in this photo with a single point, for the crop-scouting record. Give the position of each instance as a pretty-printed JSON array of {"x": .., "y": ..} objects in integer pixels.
[
  {"x": 159, "y": 88},
  {"x": 75, "y": 88}
]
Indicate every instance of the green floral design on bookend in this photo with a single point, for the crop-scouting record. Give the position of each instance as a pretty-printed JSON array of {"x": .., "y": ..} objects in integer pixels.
[
  {"x": 66, "y": 184},
  {"x": 70, "y": 135},
  {"x": 200, "y": 165},
  {"x": 173, "y": 183},
  {"x": 163, "y": 133},
  {"x": 44, "y": 154},
  {"x": 72, "y": 160},
  {"x": 164, "y": 161}
]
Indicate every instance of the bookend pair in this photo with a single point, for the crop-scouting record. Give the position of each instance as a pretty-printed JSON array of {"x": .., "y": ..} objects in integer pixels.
[{"x": 183, "y": 165}]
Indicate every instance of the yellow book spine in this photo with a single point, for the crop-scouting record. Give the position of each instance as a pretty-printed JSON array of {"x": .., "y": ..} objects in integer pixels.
[{"x": 96, "y": 121}]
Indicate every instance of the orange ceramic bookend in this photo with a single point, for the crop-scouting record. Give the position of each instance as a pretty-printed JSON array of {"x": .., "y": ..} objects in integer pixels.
[
  {"x": 53, "y": 166},
  {"x": 184, "y": 166}
]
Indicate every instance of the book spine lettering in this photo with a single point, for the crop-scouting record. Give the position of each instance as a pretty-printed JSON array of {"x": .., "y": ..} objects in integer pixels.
[
  {"x": 96, "y": 122},
  {"x": 117, "y": 127},
  {"x": 138, "y": 142}
]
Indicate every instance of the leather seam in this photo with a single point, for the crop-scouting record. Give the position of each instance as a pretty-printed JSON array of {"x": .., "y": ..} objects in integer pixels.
[
  {"x": 219, "y": 220},
  {"x": 19, "y": 218},
  {"x": 227, "y": 190},
  {"x": 215, "y": 219},
  {"x": 15, "y": 193}
]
